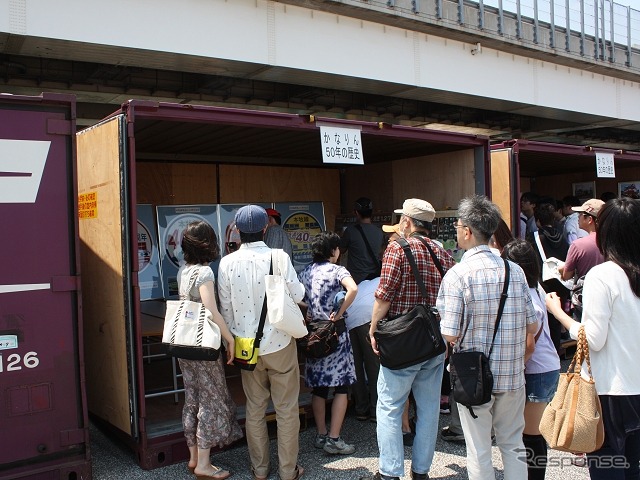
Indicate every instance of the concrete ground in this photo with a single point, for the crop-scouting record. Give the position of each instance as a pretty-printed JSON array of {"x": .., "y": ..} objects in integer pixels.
[{"x": 113, "y": 461}]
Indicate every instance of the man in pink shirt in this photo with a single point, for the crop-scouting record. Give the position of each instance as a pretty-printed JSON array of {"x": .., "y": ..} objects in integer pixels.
[{"x": 584, "y": 253}]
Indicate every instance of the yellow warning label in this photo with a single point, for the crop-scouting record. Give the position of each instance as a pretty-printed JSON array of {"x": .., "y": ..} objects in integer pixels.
[{"x": 88, "y": 205}]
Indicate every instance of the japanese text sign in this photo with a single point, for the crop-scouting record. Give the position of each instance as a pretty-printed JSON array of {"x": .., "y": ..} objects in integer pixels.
[
  {"x": 341, "y": 145},
  {"x": 604, "y": 165}
]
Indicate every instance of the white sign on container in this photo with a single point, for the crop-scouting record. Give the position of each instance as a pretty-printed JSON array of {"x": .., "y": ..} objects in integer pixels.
[
  {"x": 341, "y": 145},
  {"x": 604, "y": 165}
]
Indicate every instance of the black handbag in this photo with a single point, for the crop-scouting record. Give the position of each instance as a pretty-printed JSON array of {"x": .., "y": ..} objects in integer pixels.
[
  {"x": 323, "y": 338},
  {"x": 470, "y": 372},
  {"x": 412, "y": 337}
]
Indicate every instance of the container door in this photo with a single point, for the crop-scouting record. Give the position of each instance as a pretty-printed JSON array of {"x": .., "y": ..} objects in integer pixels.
[
  {"x": 106, "y": 280},
  {"x": 42, "y": 413},
  {"x": 504, "y": 185}
]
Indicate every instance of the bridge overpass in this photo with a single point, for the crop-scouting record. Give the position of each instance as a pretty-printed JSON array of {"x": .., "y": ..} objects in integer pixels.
[{"x": 553, "y": 70}]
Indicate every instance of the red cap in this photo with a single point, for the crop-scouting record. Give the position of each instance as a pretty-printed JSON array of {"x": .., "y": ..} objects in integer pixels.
[{"x": 273, "y": 213}]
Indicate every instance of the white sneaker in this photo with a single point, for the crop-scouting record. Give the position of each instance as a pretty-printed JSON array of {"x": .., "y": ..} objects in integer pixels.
[{"x": 338, "y": 446}]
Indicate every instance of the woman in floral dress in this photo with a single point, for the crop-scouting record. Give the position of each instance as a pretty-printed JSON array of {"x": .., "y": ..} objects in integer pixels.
[
  {"x": 323, "y": 279},
  {"x": 209, "y": 414}
]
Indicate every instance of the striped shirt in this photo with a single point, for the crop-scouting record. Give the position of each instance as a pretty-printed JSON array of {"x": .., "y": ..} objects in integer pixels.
[{"x": 470, "y": 296}]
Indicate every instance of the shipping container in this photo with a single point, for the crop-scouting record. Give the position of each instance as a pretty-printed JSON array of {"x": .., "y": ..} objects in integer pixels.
[
  {"x": 557, "y": 170},
  {"x": 42, "y": 399},
  {"x": 163, "y": 154}
]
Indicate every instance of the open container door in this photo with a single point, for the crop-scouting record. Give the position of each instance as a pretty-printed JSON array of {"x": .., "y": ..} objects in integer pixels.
[
  {"x": 43, "y": 416},
  {"x": 106, "y": 255},
  {"x": 504, "y": 185}
]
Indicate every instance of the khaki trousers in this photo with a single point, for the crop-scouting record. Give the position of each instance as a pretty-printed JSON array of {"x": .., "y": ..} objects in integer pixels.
[{"x": 276, "y": 376}]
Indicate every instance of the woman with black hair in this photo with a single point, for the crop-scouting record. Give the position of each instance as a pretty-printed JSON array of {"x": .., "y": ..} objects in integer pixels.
[
  {"x": 610, "y": 317},
  {"x": 542, "y": 364},
  {"x": 322, "y": 280},
  {"x": 209, "y": 414}
]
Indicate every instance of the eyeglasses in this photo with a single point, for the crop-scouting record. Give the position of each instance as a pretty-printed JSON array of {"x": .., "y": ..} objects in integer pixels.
[{"x": 461, "y": 226}]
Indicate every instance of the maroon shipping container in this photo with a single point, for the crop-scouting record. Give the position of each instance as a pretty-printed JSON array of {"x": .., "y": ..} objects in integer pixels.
[
  {"x": 43, "y": 414},
  {"x": 189, "y": 155},
  {"x": 555, "y": 170}
]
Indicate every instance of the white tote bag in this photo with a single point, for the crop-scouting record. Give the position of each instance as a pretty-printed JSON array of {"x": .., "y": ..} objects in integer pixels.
[
  {"x": 283, "y": 312},
  {"x": 189, "y": 330}
]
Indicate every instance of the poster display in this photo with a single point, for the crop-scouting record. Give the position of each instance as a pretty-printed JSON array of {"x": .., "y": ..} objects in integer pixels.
[
  {"x": 228, "y": 236},
  {"x": 149, "y": 279},
  {"x": 172, "y": 221},
  {"x": 444, "y": 231},
  {"x": 302, "y": 221}
]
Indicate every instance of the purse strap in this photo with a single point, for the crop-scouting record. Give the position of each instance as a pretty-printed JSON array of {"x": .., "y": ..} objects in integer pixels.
[
  {"x": 582, "y": 354},
  {"x": 263, "y": 314},
  {"x": 414, "y": 267},
  {"x": 503, "y": 299},
  {"x": 376, "y": 260},
  {"x": 192, "y": 282}
]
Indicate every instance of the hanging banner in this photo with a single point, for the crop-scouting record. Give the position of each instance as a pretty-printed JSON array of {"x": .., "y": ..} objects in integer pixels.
[
  {"x": 228, "y": 235},
  {"x": 149, "y": 279},
  {"x": 605, "y": 167},
  {"x": 302, "y": 221},
  {"x": 172, "y": 221},
  {"x": 341, "y": 145}
]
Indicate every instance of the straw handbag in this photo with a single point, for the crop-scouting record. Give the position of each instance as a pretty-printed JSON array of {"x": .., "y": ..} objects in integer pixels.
[{"x": 572, "y": 422}]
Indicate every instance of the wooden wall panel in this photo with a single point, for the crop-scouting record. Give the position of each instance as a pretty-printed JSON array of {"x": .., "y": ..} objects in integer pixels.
[
  {"x": 373, "y": 181},
  {"x": 101, "y": 255},
  {"x": 176, "y": 183},
  {"x": 245, "y": 184},
  {"x": 442, "y": 180},
  {"x": 501, "y": 188}
]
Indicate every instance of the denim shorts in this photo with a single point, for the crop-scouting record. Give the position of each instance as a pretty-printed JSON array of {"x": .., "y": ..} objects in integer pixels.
[{"x": 540, "y": 387}]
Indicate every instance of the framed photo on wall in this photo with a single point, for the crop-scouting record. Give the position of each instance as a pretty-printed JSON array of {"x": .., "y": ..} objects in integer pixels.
[
  {"x": 629, "y": 189},
  {"x": 584, "y": 190}
]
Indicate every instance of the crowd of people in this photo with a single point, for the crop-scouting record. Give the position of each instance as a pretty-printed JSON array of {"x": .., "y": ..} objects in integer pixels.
[{"x": 598, "y": 244}]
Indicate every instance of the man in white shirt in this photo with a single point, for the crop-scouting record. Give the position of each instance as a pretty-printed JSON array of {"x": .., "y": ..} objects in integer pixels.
[{"x": 241, "y": 288}]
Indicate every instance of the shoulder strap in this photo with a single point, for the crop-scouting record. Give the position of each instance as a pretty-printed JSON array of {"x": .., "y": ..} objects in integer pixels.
[
  {"x": 414, "y": 268},
  {"x": 192, "y": 281},
  {"x": 433, "y": 255},
  {"x": 366, "y": 243},
  {"x": 263, "y": 314}
]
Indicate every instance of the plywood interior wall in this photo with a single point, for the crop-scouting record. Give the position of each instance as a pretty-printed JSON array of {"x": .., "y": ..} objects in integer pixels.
[
  {"x": 175, "y": 183},
  {"x": 102, "y": 278},
  {"x": 160, "y": 183},
  {"x": 501, "y": 188},
  {"x": 243, "y": 183},
  {"x": 374, "y": 181},
  {"x": 442, "y": 179}
]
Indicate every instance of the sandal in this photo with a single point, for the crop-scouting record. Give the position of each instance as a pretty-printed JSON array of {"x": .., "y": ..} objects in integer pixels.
[
  {"x": 219, "y": 474},
  {"x": 192, "y": 470},
  {"x": 299, "y": 472}
]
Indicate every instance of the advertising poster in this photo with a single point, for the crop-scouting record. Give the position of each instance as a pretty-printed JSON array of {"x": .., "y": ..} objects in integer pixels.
[
  {"x": 172, "y": 221},
  {"x": 228, "y": 235},
  {"x": 302, "y": 221},
  {"x": 149, "y": 278}
]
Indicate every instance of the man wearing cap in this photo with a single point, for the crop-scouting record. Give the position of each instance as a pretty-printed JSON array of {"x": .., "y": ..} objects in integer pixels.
[
  {"x": 584, "y": 253},
  {"x": 397, "y": 293},
  {"x": 241, "y": 288},
  {"x": 276, "y": 237},
  {"x": 363, "y": 242}
]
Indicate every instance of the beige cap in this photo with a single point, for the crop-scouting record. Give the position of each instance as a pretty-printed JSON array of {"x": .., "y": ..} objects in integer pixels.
[
  {"x": 391, "y": 228},
  {"x": 418, "y": 209},
  {"x": 591, "y": 206}
]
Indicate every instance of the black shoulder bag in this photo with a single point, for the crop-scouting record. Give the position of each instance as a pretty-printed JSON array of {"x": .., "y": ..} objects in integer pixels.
[
  {"x": 471, "y": 377},
  {"x": 412, "y": 337},
  {"x": 376, "y": 260}
]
